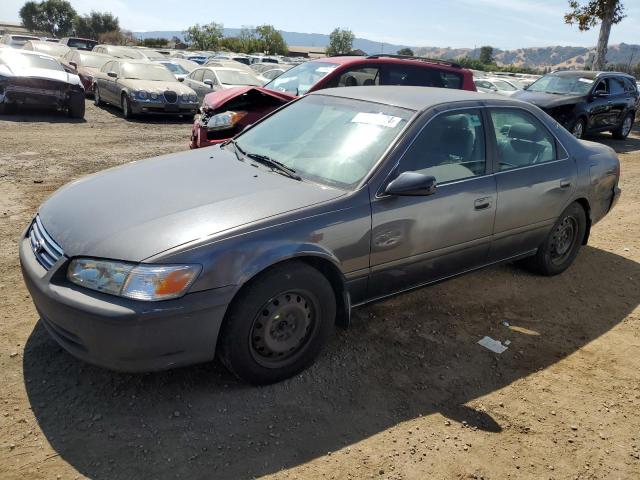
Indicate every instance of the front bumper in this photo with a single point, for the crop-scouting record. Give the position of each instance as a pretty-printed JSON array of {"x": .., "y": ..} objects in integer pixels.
[
  {"x": 199, "y": 136},
  {"x": 119, "y": 333},
  {"x": 162, "y": 108}
]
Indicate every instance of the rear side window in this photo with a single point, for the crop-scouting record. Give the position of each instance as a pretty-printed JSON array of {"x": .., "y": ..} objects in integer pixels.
[
  {"x": 521, "y": 138},
  {"x": 451, "y": 147},
  {"x": 106, "y": 68},
  {"x": 417, "y": 76},
  {"x": 629, "y": 85},
  {"x": 359, "y": 77}
]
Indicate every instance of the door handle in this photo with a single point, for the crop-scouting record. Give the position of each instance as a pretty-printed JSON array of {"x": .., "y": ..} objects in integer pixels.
[
  {"x": 482, "y": 203},
  {"x": 565, "y": 184}
]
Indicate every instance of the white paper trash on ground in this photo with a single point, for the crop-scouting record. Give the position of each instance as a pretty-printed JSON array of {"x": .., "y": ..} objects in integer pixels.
[{"x": 493, "y": 345}]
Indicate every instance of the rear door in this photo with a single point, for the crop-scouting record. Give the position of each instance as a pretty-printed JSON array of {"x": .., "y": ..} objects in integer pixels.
[
  {"x": 619, "y": 99},
  {"x": 535, "y": 180},
  {"x": 417, "y": 240},
  {"x": 194, "y": 81}
]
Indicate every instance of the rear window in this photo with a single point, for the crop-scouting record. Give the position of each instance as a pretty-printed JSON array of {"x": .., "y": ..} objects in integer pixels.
[
  {"x": 415, "y": 76},
  {"x": 81, "y": 44}
]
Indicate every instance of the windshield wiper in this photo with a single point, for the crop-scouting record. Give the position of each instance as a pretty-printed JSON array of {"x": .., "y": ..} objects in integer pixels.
[{"x": 275, "y": 164}]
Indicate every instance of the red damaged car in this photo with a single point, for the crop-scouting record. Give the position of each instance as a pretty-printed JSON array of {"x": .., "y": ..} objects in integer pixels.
[{"x": 226, "y": 112}]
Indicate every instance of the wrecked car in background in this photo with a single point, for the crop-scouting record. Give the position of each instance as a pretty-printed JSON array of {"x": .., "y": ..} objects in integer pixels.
[
  {"x": 30, "y": 78},
  {"x": 227, "y": 112},
  {"x": 85, "y": 65}
]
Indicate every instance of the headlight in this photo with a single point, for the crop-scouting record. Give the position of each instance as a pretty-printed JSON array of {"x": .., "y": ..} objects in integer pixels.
[
  {"x": 193, "y": 98},
  {"x": 142, "y": 95},
  {"x": 185, "y": 97},
  {"x": 154, "y": 95},
  {"x": 139, "y": 282},
  {"x": 224, "y": 121}
]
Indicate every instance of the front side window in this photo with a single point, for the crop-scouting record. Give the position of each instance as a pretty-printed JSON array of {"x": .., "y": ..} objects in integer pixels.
[
  {"x": 522, "y": 140},
  {"x": 329, "y": 140},
  {"x": 451, "y": 147},
  {"x": 197, "y": 75},
  {"x": 616, "y": 87}
]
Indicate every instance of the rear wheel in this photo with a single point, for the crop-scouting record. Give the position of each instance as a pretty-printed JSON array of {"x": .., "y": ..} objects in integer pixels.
[
  {"x": 624, "y": 129},
  {"x": 578, "y": 129},
  {"x": 277, "y": 325},
  {"x": 562, "y": 244},
  {"x": 96, "y": 96}
]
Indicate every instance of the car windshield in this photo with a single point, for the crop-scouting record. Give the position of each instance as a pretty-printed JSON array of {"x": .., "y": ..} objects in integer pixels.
[
  {"x": 93, "y": 61},
  {"x": 300, "y": 79},
  {"x": 17, "y": 60},
  {"x": 236, "y": 77},
  {"x": 175, "y": 68},
  {"x": 329, "y": 140},
  {"x": 18, "y": 41},
  {"x": 562, "y": 85},
  {"x": 502, "y": 85},
  {"x": 141, "y": 71}
]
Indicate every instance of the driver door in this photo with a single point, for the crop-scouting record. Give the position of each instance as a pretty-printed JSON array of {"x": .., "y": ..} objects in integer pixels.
[
  {"x": 601, "y": 106},
  {"x": 420, "y": 239}
]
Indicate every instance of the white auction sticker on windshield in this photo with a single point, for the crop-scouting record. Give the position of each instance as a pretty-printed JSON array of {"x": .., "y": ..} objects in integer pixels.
[
  {"x": 325, "y": 69},
  {"x": 585, "y": 80},
  {"x": 379, "y": 119}
]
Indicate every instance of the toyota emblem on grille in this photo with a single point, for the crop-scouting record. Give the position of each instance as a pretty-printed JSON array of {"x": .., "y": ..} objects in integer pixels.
[{"x": 38, "y": 247}]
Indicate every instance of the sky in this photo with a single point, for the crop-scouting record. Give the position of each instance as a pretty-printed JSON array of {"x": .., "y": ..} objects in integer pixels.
[{"x": 504, "y": 24}]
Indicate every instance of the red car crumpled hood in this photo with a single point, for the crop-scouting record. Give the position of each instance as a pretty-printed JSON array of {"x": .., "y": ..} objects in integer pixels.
[{"x": 215, "y": 100}]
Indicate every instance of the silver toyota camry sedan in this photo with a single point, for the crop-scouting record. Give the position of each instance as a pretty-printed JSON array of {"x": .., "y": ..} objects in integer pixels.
[{"x": 255, "y": 249}]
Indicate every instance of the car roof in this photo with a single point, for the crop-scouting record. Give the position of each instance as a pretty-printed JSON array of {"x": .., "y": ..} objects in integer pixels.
[
  {"x": 586, "y": 73},
  {"x": 413, "y": 98},
  {"x": 394, "y": 59},
  {"x": 13, "y": 51}
]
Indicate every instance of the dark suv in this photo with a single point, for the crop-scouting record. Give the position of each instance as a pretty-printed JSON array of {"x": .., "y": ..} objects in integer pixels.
[
  {"x": 586, "y": 102},
  {"x": 226, "y": 111}
]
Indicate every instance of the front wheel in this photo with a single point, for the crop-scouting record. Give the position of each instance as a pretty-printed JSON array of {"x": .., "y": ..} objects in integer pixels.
[
  {"x": 97, "y": 100},
  {"x": 76, "y": 106},
  {"x": 624, "y": 129},
  {"x": 578, "y": 129},
  {"x": 277, "y": 325},
  {"x": 561, "y": 246},
  {"x": 126, "y": 107}
]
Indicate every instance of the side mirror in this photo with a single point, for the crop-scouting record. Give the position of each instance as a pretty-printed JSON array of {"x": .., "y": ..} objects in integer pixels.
[
  {"x": 181, "y": 79},
  {"x": 600, "y": 94},
  {"x": 412, "y": 184},
  {"x": 74, "y": 65},
  {"x": 208, "y": 82},
  {"x": 112, "y": 74}
]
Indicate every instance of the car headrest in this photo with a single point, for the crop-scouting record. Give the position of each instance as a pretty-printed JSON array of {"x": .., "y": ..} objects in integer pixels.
[
  {"x": 368, "y": 82},
  {"x": 350, "y": 81},
  {"x": 525, "y": 131}
]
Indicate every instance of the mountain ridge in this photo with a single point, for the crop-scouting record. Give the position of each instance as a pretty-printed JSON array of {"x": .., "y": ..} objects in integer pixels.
[{"x": 552, "y": 57}]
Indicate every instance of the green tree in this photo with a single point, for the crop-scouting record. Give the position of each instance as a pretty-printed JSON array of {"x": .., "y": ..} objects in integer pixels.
[
  {"x": 204, "y": 37},
  {"x": 587, "y": 16},
  {"x": 486, "y": 55},
  {"x": 232, "y": 44},
  {"x": 340, "y": 42},
  {"x": 54, "y": 17},
  {"x": 405, "y": 51},
  {"x": 271, "y": 39},
  {"x": 94, "y": 24},
  {"x": 154, "y": 42}
]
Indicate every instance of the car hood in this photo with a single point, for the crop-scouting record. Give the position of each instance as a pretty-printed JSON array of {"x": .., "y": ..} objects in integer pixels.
[
  {"x": 547, "y": 100},
  {"x": 144, "y": 208},
  {"x": 43, "y": 73},
  {"x": 154, "y": 85},
  {"x": 217, "y": 99}
]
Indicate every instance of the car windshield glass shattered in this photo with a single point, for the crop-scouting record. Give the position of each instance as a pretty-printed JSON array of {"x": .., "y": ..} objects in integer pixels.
[
  {"x": 236, "y": 77},
  {"x": 18, "y": 61},
  {"x": 141, "y": 71},
  {"x": 562, "y": 85},
  {"x": 300, "y": 79},
  {"x": 329, "y": 140}
]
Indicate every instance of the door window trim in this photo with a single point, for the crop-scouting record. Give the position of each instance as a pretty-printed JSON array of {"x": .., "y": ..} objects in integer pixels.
[
  {"x": 487, "y": 170},
  {"x": 559, "y": 146}
]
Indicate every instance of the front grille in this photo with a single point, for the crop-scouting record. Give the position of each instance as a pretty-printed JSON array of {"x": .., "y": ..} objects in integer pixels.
[
  {"x": 170, "y": 97},
  {"x": 46, "y": 250}
]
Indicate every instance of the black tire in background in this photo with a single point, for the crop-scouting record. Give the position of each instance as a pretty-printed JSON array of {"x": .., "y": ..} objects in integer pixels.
[
  {"x": 578, "y": 129},
  {"x": 624, "y": 129},
  {"x": 562, "y": 245},
  {"x": 252, "y": 343},
  {"x": 76, "y": 106}
]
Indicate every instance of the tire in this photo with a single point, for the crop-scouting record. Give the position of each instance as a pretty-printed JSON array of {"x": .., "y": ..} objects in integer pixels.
[
  {"x": 278, "y": 324},
  {"x": 125, "y": 103},
  {"x": 76, "y": 106},
  {"x": 555, "y": 255},
  {"x": 8, "y": 108},
  {"x": 624, "y": 129},
  {"x": 578, "y": 129},
  {"x": 97, "y": 101}
]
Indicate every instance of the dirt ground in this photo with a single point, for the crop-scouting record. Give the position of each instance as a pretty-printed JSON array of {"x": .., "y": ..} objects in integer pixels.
[{"x": 405, "y": 393}]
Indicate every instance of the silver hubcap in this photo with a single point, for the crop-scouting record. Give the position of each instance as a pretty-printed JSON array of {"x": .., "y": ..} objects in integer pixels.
[
  {"x": 626, "y": 126},
  {"x": 577, "y": 130}
]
